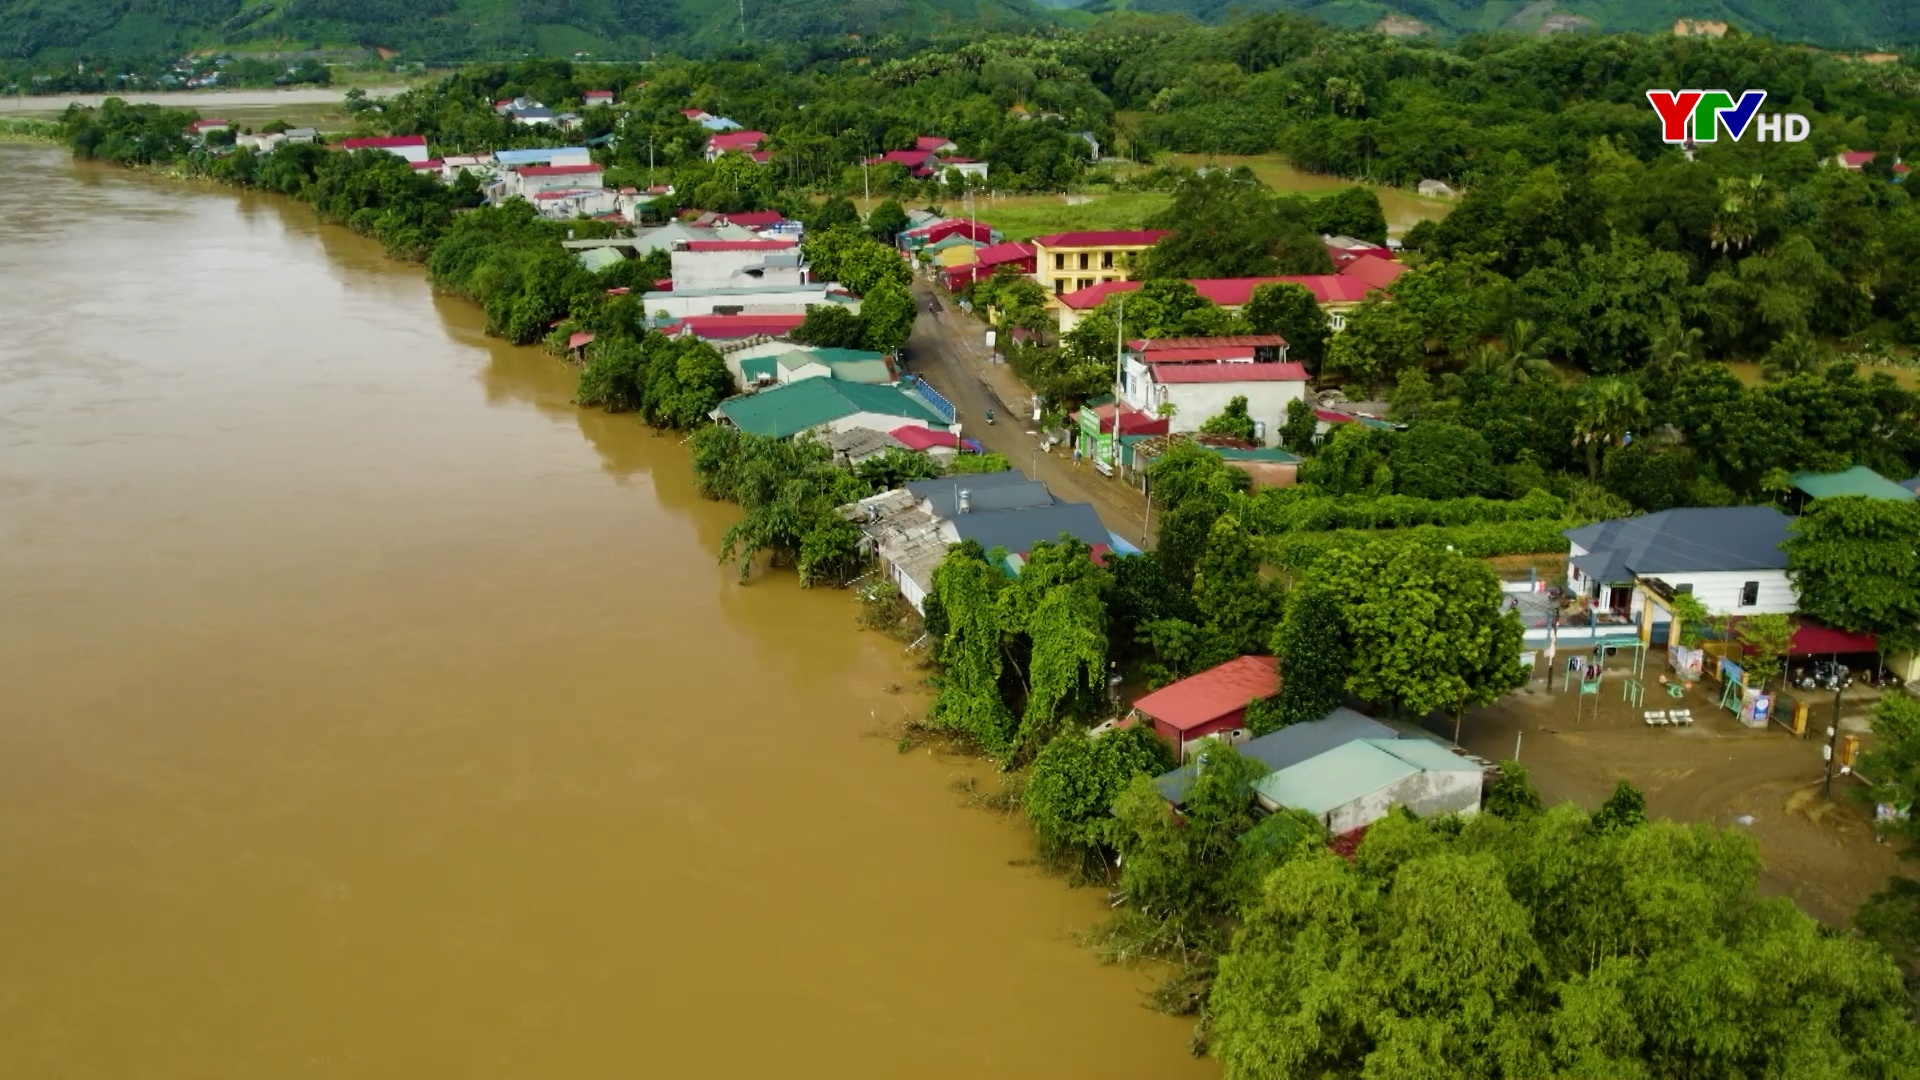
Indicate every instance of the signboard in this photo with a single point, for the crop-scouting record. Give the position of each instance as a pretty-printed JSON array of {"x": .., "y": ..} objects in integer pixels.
[
  {"x": 1095, "y": 444},
  {"x": 1687, "y": 662}
]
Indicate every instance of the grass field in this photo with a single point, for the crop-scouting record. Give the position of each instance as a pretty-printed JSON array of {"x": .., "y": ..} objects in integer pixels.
[{"x": 1023, "y": 217}]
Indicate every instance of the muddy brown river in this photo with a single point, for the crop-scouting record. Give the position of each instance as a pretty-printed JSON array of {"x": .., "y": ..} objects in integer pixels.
[{"x": 367, "y": 710}]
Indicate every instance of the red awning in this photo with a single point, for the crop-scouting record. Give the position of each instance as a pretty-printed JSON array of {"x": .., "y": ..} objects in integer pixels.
[{"x": 1811, "y": 639}]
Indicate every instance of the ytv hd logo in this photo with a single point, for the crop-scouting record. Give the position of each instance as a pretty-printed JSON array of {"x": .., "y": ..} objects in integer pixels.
[{"x": 1711, "y": 110}]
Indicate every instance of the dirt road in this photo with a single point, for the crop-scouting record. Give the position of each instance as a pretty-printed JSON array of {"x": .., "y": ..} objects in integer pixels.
[
  {"x": 949, "y": 350},
  {"x": 209, "y": 102}
]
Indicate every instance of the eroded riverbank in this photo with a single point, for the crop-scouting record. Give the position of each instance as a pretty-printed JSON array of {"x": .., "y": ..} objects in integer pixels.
[{"x": 374, "y": 711}]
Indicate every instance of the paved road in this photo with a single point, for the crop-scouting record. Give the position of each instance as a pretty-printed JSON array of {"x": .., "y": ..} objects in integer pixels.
[{"x": 949, "y": 351}]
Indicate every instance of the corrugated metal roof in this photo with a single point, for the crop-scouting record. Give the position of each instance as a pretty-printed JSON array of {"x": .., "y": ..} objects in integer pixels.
[
  {"x": 1215, "y": 692},
  {"x": 1687, "y": 539},
  {"x": 784, "y": 411},
  {"x": 1858, "y": 480},
  {"x": 1287, "y": 747},
  {"x": 1428, "y": 756},
  {"x": 1335, "y": 778}
]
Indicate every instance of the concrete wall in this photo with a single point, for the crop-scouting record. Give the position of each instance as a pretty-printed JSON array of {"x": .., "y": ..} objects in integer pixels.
[
  {"x": 679, "y": 305},
  {"x": 728, "y": 269},
  {"x": 872, "y": 422},
  {"x": 1196, "y": 403},
  {"x": 1425, "y": 793}
]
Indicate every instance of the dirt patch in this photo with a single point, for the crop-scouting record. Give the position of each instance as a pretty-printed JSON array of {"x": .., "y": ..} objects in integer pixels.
[{"x": 1816, "y": 849}]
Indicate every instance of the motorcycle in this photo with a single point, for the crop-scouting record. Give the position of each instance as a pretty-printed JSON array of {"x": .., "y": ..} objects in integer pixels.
[
  {"x": 1823, "y": 675},
  {"x": 989, "y": 417}
]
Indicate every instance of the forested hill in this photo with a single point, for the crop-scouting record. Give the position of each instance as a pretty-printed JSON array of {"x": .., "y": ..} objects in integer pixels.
[
  {"x": 460, "y": 29},
  {"x": 1838, "y": 23}
]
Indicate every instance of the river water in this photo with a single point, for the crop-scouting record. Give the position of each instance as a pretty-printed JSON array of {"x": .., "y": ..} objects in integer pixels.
[{"x": 368, "y": 710}]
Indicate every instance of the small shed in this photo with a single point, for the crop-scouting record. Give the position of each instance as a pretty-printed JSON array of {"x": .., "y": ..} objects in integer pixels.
[
  {"x": 1435, "y": 189},
  {"x": 1360, "y": 782},
  {"x": 1858, "y": 480},
  {"x": 1286, "y": 747},
  {"x": 1211, "y": 702}
]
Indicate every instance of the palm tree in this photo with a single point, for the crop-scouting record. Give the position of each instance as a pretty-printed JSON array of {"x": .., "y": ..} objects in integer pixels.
[
  {"x": 1794, "y": 354},
  {"x": 1674, "y": 348},
  {"x": 1519, "y": 359},
  {"x": 1608, "y": 409}
]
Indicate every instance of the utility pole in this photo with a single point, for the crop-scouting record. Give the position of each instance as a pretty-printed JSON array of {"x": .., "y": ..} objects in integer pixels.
[
  {"x": 1146, "y": 527},
  {"x": 650, "y": 159},
  {"x": 1833, "y": 738},
  {"x": 866, "y": 183}
]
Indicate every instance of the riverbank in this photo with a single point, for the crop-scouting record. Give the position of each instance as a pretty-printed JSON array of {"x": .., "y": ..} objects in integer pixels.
[
  {"x": 19, "y": 130},
  {"x": 207, "y": 102}
]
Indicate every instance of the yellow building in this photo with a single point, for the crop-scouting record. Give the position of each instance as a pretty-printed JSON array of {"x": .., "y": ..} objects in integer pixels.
[{"x": 1070, "y": 261}]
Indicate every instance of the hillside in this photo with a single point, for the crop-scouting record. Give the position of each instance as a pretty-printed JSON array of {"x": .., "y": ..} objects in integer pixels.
[
  {"x": 457, "y": 29},
  {"x": 1839, "y": 23}
]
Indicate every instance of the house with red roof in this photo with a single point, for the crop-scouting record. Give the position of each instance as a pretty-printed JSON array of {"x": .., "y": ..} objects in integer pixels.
[
  {"x": 1069, "y": 261},
  {"x": 987, "y": 261},
  {"x": 410, "y": 147},
  {"x": 1343, "y": 250},
  {"x": 596, "y": 97},
  {"x": 935, "y": 231},
  {"x": 1855, "y": 160},
  {"x": 1198, "y": 377},
  {"x": 936, "y": 144},
  {"x": 528, "y": 181},
  {"x": 736, "y": 264},
  {"x": 733, "y": 327},
  {"x": 1212, "y": 703},
  {"x": 1336, "y": 294},
  {"x": 736, "y": 142},
  {"x": 932, "y": 156},
  {"x": 209, "y": 125}
]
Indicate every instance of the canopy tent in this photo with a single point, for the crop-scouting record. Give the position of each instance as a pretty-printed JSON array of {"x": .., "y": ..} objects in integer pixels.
[{"x": 1811, "y": 639}]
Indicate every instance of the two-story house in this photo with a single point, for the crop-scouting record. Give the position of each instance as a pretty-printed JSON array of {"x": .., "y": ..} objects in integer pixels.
[{"x": 1069, "y": 261}]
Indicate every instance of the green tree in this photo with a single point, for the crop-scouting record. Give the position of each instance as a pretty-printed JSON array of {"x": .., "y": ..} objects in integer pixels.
[
  {"x": 886, "y": 221},
  {"x": 1893, "y": 762},
  {"x": 1301, "y": 429},
  {"x": 1855, "y": 564},
  {"x": 1438, "y": 460},
  {"x": 1238, "y": 605},
  {"x": 886, "y": 316},
  {"x": 1608, "y": 409},
  {"x": 686, "y": 379},
  {"x": 1228, "y": 224},
  {"x": 1512, "y": 795},
  {"x": 1766, "y": 639},
  {"x": 1179, "y": 870},
  {"x": 1426, "y": 627},
  {"x": 1311, "y": 642},
  {"x": 1232, "y": 422},
  {"x": 614, "y": 377},
  {"x": 831, "y": 326},
  {"x": 1075, "y": 779},
  {"x": 1290, "y": 311}
]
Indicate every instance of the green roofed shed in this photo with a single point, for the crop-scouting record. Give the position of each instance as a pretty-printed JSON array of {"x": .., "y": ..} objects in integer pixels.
[
  {"x": 783, "y": 411},
  {"x": 600, "y": 258},
  {"x": 1858, "y": 480}
]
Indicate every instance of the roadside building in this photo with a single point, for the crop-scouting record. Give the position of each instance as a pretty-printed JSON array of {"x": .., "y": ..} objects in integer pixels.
[
  {"x": 781, "y": 412},
  {"x": 301, "y": 135},
  {"x": 910, "y": 529},
  {"x": 202, "y": 128},
  {"x": 1197, "y": 377},
  {"x": 1728, "y": 557},
  {"x": 747, "y": 300},
  {"x": 987, "y": 261},
  {"x": 733, "y": 328},
  {"x": 809, "y": 362},
  {"x": 595, "y": 98},
  {"x": 1359, "y": 782},
  {"x": 1214, "y": 702},
  {"x": 546, "y": 155},
  {"x": 528, "y": 181},
  {"x": 1335, "y": 294},
  {"x": 1070, "y": 261},
  {"x": 410, "y": 147}
]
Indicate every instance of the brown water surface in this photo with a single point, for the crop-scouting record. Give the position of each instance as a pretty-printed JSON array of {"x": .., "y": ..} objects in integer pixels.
[{"x": 368, "y": 710}]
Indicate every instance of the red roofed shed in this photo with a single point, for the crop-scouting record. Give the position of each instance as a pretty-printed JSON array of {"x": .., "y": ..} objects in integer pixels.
[{"x": 1213, "y": 701}]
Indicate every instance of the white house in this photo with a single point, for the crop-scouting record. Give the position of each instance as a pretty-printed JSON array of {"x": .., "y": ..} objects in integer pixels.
[
  {"x": 529, "y": 181},
  {"x": 751, "y": 300},
  {"x": 410, "y": 147},
  {"x": 567, "y": 204},
  {"x": 736, "y": 264},
  {"x": 1199, "y": 376},
  {"x": 1360, "y": 782},
  {"x": 263, "y": 143},
  {"x": 1728, "y": 557}
]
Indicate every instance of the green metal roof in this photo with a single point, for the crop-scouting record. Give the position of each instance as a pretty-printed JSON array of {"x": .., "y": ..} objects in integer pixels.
[
  {"x": 872, "y": 372},
  {"x": 1335, "y": 778},
  {"x": 760, "y": 367},
  {"x": 828, "y": 355},
  {"x": 1265, "y": 453},
  {"x": 784, "y": 411},
  {"x": 1858, "y": 480},
  {"x": 598, "y": 259},
  {"x": 1427, "y": 754}
]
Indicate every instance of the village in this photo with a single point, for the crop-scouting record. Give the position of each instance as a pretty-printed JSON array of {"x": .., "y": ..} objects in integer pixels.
[{"x": 1603, "y": 620}]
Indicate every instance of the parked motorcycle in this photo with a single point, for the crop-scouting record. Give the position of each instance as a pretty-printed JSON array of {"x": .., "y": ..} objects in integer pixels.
[{"x": 1823, "y": 675}]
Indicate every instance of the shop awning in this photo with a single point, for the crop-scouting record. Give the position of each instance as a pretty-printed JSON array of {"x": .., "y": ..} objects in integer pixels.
[{"x": 1812, "y": 639}]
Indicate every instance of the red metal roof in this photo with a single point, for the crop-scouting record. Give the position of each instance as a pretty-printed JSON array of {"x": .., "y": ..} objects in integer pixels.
[
  {"x": 621, "y": 291},
  {"x": 912, "y": 159},
  {"x": 1813, "y": 639},
  {"x": 580, "y": 340},
  {"x": 1150, "y": 346},
  {"x": 1132, "y": 420},
  {"x": 995, "y": 254},
  {"x": 738, "y": 140},
  {"x": 1333, "y": 417},
  {"x": 1378, "y": 273},
  {"x": 1183, "y": 357},
  {"x": 736, "y": 326},
  {"x": 430, "y": 163},
  {"x": 557, "y": 170},
  {"x": 740, "y": 245},
  {"x": 1106, "y": 238},
  {"x": 1214, "y": 693},
  {"x": 1856, "y": 159},
  {"x": 919, "y": 438},
  {"x": 756, "y": 219},
  {"x": 692, "y": 113},
  {"x": 1236, "y": 292},
  {"x": 931, "y": 142},
  {"x": 596, "y": 94},
  {"x": 383, "y": 142},
  {"x": 1227, "y": 373}
]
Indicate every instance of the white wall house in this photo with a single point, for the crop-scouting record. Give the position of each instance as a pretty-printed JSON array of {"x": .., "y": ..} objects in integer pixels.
[
  {"x": 411, "y": 147},
  {"x": 761, "y": 300},
  {"x": 530, "y": 180},
  {"x": 1199, "y": 376},
  {"x": 735, "y": 264},
  {"x": 1728, "y": 557}
]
